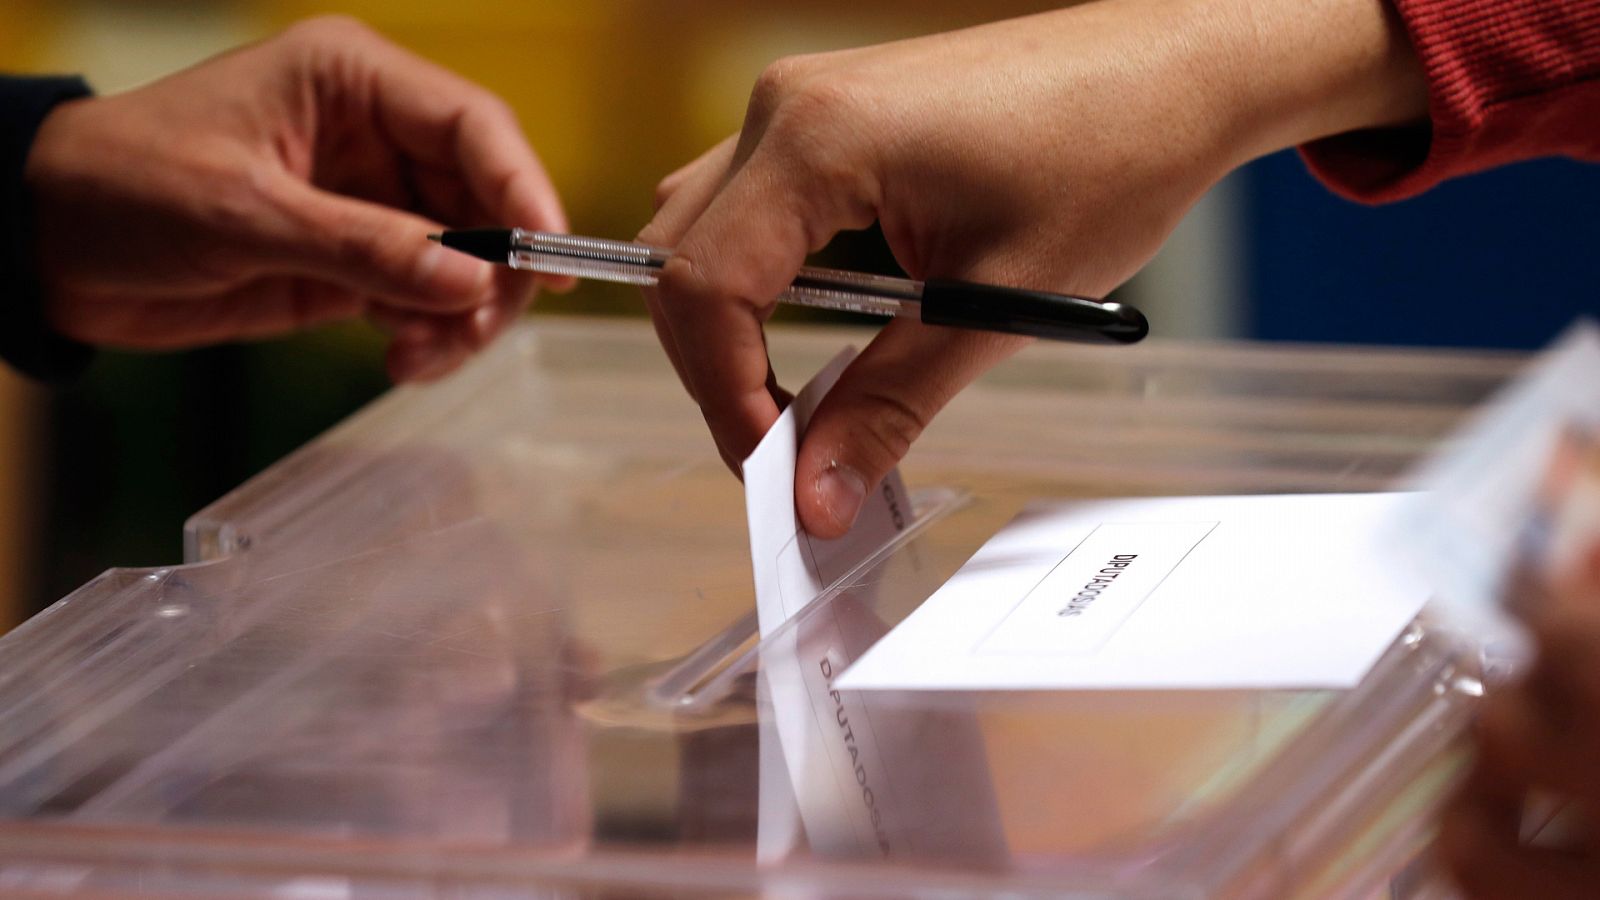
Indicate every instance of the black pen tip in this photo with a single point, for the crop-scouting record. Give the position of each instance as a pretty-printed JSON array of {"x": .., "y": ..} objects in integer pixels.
[
  {"x": 436, "y": 238},
  {"x": 492, "y": 244}
]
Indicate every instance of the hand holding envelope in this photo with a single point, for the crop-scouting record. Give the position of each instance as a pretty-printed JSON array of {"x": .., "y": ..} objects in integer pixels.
[
  {"x": 856, "y": 771},
  {"x": 1510, "y": 528},
  {"x": 1539, "y": 737},
  {"x": 284, "y": 185}
]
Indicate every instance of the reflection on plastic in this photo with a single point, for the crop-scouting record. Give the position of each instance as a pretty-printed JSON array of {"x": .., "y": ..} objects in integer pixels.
[
  {"x": 416, "y": 658},
  {"x": 873, "y": 778},
  {"x": 371, "y": 694},
  {"x": 868, "y": 781}
]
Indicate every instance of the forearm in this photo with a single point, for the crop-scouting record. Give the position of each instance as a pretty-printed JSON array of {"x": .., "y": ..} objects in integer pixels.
[
  {"x": 1249, "y": 77},
  {"x": 1324, "y": 67},
  {"x": 1196, "y": 87}
]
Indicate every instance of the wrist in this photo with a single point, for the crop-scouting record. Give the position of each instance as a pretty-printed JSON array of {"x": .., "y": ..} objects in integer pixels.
[
  {"x": 1310, "y": 69},
  {"x": 53, "y": 155},
  {"x": 26, "y": 340},
  {"x": 1201, "y": 87},
  {"x": 54, "y": 181}
]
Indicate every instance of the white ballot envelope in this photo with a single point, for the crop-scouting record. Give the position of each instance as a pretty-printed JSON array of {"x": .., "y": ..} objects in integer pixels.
[
  {"x": 869, "y": 780},
  {"x": 1165, "y": 593}
]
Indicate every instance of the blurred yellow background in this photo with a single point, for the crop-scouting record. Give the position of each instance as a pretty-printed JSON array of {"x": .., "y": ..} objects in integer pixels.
[{"x": 613, "y": 94}]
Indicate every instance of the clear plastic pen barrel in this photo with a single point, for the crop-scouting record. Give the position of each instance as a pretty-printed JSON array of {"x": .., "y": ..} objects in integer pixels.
[{"x": 625, "y": 263}]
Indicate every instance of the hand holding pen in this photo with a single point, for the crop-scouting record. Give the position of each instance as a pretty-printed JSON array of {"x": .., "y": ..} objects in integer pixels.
[
  {"x": 285, "y": 205},
  {"x": 1055, "y": 151},
  {"x": 944, "y": 302},
  {"x": 955, "y": 145}
]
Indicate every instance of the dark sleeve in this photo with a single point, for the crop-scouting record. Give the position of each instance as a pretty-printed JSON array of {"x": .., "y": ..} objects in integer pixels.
[
  {"x": 1508, "y": 80},
  {"x": 26, "y": 340}
]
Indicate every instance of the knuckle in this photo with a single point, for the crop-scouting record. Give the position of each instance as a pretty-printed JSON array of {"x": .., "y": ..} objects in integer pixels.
[
  {"x": 275, "y": 191},
  {"x": 679, "y": 278},
  {"x": 230, "y": 207},
  {"x": 688, "y": 286},
  {"x": 665, "y": 188},
  {"x": 775, "y": 84},
  {"x": 349, "y": 250},
  {"x": 654, "y": 232},
  {"x": 818, "y": 98},
  {"x": 493, "y": 109},
  {"x": 503, "y": 108},
  {"x": 889, "y": 426},
  {"x": 819, "y": 89},
  {"x": 349, "y": 247},
  {"x": 812, "y": 138},
  {"x": 837, "y": 188},
  {"x": 235, "y": 203},
  {"x": 330, "y": 29}
]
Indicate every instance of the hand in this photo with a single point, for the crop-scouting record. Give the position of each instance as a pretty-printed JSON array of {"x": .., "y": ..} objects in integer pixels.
[
  {"x": 261, "y": 192},
  {"x": 1052, "y": 152},
  {"x": 1540, "y": 736}
]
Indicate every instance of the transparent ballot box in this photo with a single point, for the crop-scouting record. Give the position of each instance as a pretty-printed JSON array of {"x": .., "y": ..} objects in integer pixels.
[{"x": 495, "y": 637}]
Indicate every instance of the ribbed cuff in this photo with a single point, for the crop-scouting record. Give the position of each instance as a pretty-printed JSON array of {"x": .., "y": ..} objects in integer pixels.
[
  {"x": 1508, "y": 80},
  {"x": 27, "y": 342}
]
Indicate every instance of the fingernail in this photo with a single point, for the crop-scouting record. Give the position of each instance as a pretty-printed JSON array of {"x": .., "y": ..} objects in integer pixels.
[
  {"x": 452, "y": 272},
  {"x": 841, "y": 490}
]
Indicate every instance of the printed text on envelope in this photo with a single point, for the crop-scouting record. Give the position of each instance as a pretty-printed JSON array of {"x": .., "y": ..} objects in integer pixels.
[{"x": 1087, "y": 596}]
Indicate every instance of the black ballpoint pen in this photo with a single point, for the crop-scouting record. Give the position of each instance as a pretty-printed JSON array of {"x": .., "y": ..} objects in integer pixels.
[{"x": 957, "y": 304}]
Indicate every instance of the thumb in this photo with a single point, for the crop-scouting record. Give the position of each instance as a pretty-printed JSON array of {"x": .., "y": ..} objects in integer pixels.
[
  {"x": 372, "y": 249},
  {"x": 879, "y": 407}
]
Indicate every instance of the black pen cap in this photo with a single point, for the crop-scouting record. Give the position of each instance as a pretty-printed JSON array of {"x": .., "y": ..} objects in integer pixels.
[{"x": 1056, "y": 317}]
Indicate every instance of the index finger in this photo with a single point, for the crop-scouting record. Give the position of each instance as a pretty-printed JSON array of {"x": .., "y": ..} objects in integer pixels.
[
  {"x": 442, "y": 119},
  {"x": 723, "y": 280}
]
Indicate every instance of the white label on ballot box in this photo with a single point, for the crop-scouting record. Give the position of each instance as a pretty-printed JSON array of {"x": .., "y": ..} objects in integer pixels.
[
  {"x": 856, "y": 770},
  {"x": 1204, "y": 593}
]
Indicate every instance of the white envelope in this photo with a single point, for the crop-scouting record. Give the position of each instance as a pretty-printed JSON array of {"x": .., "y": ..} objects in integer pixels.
[{"x": 1203, "y": 593}]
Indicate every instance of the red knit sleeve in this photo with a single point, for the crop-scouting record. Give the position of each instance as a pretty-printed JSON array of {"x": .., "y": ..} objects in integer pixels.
[{"x": 1507, "y": 80}]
